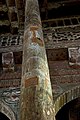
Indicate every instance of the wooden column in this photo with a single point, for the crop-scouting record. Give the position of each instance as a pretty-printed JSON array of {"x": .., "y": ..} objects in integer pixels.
[{"x": 36, "y": 92}]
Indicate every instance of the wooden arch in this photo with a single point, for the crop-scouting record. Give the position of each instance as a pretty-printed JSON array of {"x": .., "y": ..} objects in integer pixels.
[{"x": 65, "y": 98}]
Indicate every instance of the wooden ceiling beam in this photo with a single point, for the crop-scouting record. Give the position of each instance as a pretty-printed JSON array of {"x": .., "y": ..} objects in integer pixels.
[
  {"x": 12, "y": 13},
  {"x": 20, "y": 12},
  {"x": 45, "y": 5},
  {"x": 10, "y": 2},
  {"x": 4, "y": 22}
]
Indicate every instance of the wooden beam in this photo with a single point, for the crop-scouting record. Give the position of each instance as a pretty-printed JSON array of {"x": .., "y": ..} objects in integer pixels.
[
  {"x": 20, "y": 12},
  {"x": 10, "y": 2},
  {"x": 3, "y": 8},
  {"x": 12, "y": 9},
  {"x": 4, "y": 22},
  {"x": 46, "y": 8}
]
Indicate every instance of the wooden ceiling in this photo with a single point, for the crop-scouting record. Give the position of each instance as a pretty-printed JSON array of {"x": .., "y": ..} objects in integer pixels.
[
  {"x": 12, "y": 12},
  {"x": 50, "y": 9},
  {"x": 11, "y": 16}
]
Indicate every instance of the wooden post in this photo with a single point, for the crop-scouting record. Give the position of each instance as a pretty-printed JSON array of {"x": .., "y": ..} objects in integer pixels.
[{"x": 36, "y": 92}]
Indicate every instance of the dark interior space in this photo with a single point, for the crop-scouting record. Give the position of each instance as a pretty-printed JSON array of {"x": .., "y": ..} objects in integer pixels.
[
  {"x": 3, "y": 117},
  {"x": 64, "y": 11},
  {"x": 3, "y": 15},
  {"x": 63, "y": 114},
  {"x": 4, "y": 29},
  {"x": 70, "y": 111}
]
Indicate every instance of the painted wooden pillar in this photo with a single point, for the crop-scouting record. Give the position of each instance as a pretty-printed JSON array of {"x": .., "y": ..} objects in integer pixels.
[{"x": 36, "y": 92}]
